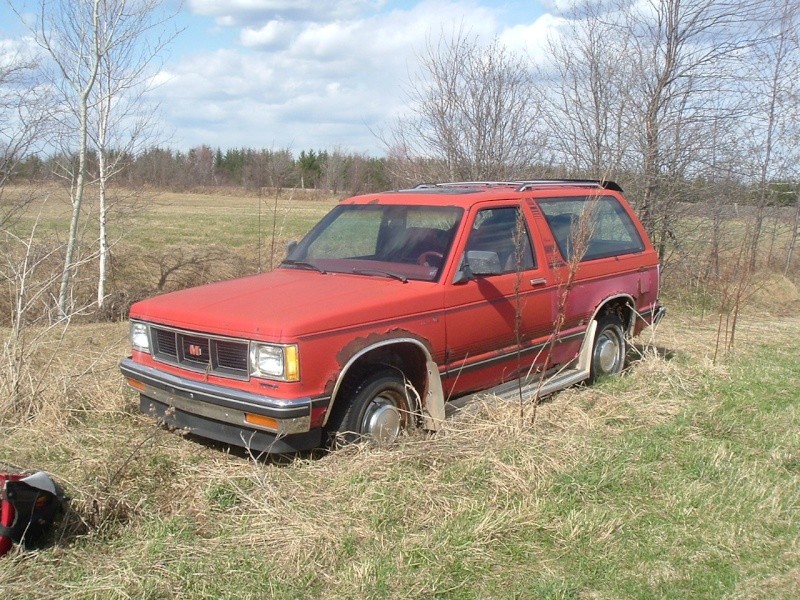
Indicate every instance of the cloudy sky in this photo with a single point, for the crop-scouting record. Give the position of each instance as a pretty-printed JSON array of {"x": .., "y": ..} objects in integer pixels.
[{"x": 303, "y": 74}]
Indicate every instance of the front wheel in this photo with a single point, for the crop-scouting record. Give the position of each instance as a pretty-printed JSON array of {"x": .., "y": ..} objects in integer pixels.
[
  {"x": 377, "y": 410},
  {"x": 610, "y": 347}
]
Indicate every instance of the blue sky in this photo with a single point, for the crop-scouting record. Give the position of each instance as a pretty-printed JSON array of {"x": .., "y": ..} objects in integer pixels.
[{"x": 303, "y": 74}]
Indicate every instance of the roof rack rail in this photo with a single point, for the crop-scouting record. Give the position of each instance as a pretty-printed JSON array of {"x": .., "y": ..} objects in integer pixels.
[
  {"x": 601, "y": 183},
  {"x": 523, "y": 185}
]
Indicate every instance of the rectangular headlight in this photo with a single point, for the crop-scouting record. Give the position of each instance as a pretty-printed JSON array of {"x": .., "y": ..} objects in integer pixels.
[
  {"x": 274, "y": 362},
  {"x": 140, "y": 338}
]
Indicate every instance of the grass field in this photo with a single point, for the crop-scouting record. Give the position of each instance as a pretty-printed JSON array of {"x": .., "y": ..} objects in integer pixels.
[
  {"x": 680, "y": 479},
  {"x": 161, "y": 241}
]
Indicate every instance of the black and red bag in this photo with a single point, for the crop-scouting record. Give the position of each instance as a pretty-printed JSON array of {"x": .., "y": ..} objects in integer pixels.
[{"x": 28, "y": 507}]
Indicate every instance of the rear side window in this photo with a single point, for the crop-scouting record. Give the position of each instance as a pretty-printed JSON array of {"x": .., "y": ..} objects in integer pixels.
[{"x": 592, "y": 227}]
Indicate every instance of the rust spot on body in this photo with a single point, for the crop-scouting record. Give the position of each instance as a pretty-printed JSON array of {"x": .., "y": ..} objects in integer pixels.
[{"x": 374, "y": 339}]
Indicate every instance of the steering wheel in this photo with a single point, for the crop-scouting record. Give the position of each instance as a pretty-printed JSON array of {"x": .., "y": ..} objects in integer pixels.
[{"x": 424, "y": 258}]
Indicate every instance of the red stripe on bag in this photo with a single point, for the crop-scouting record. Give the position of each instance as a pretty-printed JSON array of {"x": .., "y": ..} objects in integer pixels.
[{"x": 6, "y": 511}]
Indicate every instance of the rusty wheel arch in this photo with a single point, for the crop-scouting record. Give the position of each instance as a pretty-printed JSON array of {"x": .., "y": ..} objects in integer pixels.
[
  {"x": 408, "y": 355},
  {"x": 621, "y": 305}
]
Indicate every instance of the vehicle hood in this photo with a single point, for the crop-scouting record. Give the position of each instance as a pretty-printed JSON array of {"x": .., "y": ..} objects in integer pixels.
[{"x": 286, "y": 304}]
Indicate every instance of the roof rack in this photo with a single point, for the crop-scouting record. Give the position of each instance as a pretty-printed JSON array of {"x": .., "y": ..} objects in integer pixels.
[{"x": 522, "y": 186}]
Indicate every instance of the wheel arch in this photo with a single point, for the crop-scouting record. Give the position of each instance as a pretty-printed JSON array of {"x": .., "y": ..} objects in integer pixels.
[
  {"x": 621, "y": 305},
  {"x": 408, "y": 355},
  {"x": 618, "y": 304}
]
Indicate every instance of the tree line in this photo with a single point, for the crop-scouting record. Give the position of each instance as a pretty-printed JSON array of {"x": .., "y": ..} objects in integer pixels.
[{"x": 203, "y": 166}]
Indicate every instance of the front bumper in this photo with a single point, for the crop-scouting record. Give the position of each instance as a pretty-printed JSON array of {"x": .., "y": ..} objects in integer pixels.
[{"x": 225, "y": 414}]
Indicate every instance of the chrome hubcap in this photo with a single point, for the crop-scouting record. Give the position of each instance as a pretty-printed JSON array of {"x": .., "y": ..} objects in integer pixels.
[
  {"x": 382, "y": 422},
  {"x": 607, "y": 354}
]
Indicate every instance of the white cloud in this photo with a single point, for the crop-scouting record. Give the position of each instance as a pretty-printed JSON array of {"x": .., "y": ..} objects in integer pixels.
[
  {"x": 18, "y": 51},
  {"x": 275, "y": 34},
  {"x": 558, "y": 6},
  {"x": 242, "y": 12},
  {"x": 531, "y": 39},
  {"x": 313, "y": 82}
]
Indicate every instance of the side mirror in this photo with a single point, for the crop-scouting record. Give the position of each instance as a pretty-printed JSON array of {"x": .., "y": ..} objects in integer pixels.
[
  {"x": 478, "y": 263},
  {"x": 290, "y": 246},
  {"x": 483, "y": 262}
]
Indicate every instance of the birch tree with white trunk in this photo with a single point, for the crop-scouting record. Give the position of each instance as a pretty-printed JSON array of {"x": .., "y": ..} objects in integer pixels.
[
  {"x": 96, "y": 51},
  {"x": 121, "y": 122}
]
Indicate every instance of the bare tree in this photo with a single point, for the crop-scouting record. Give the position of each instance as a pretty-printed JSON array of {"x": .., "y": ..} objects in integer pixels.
[
  {"x": 473, "y": 109},
  {"x": 795, "y": 231},
  {"x": 198, "y": 167},
  {"x": 771, "y": 126},
  {"x": 25, "y": 114},
  {"x": 25, "y": 118},
  {"x": 262, "y": 170},
  {"x": 120, "y": 123},
  {"x": 681, "y": 53},
  {"x": 585, "y": 104},
  {"x": 83, "y": 40}
]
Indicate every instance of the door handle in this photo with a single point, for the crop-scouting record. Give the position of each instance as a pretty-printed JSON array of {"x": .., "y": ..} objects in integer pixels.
[{"x": 538, "y": 281}]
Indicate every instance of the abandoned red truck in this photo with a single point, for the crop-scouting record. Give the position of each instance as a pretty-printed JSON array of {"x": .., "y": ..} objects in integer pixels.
[{"x": 397, "y": 302}]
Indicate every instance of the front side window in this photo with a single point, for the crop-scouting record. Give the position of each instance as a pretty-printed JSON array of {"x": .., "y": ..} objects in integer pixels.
[
  {"x": 499, "y": 242},
  {"x": 407, "y": 242},
  {"x": 591, "y": 228}
]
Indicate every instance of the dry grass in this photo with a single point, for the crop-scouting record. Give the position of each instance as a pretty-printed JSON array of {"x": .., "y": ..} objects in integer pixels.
[{"x": 151, "y": 512}]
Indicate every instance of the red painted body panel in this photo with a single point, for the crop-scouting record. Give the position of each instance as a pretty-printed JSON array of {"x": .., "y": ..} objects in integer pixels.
[
  {"x": 284, "y": 304},
  {"x": 322, "y": 313}
]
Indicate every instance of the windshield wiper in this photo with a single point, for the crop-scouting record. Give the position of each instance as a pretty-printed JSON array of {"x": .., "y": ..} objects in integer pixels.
[
  {"x": 303, "y": 265},
  {"x": 381, "y": 273}
]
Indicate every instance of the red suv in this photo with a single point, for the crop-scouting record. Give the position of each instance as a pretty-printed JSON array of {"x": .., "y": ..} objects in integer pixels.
[{"x": 396, "y": 302}]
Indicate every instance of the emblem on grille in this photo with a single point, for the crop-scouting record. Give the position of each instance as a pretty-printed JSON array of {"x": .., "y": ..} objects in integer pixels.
[{"x": 195, "y": 350}]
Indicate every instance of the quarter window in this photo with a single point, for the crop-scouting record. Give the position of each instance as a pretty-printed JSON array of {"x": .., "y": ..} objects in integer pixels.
[{"x": 591, "y": 228}]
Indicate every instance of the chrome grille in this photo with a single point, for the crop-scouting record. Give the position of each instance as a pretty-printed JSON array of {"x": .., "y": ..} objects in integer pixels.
[{"x": 197, "y": 352}]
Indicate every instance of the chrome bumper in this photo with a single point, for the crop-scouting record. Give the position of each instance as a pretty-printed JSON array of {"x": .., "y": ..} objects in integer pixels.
[{"x": 205, "y": 408}]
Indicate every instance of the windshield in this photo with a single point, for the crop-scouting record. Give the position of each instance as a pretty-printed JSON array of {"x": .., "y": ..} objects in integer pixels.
[{"x": 403, "y": 242}]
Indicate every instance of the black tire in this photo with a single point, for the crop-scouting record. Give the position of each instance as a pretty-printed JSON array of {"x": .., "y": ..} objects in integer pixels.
[
  {"x": 609, "y": 349},
  {"x": 376, "y": 410}
]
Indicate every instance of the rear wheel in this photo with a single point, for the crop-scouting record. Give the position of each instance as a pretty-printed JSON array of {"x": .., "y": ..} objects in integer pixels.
[
  {"x": 610, "y": 347},
  {"x": 377, "y": 410}
]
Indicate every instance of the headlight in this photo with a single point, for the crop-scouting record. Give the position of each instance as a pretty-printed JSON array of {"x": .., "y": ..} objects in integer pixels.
[
  {"x": 274, "y": 362},
  {"x": 140, "y": 340}
]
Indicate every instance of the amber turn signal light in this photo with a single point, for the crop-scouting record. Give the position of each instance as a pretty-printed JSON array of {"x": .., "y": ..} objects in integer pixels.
[{"x": 261, "y": 421}]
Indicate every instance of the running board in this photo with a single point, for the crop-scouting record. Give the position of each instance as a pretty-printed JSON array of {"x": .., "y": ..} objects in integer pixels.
[
  {"x": 538, "y": 386},
  {"x": 513, "y": 390}
]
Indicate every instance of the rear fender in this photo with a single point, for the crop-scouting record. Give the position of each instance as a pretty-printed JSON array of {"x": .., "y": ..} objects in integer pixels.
[{"x": 629, "y": 320}]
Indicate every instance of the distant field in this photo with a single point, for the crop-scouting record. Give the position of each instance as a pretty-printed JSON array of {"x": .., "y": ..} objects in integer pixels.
[
  {"x": 152, "y": 219},
  {"x": 163, "y": 240},
  {"x": 200, "y": 219}
]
